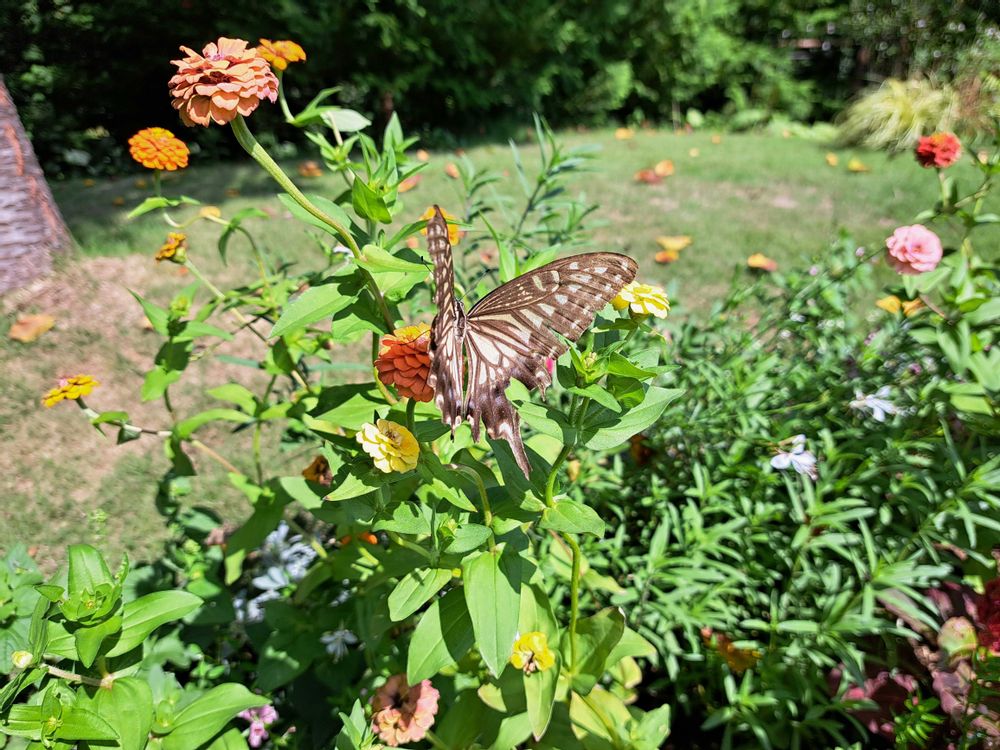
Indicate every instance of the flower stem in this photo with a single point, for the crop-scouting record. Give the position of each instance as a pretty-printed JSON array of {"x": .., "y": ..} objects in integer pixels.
[
  {"x": 481, "y": 486},
  {"x": 215, "y": 456},
  {"x": 260, "y": 155},
  {"x": 411, "y": 407},
  {"x": 73, "y": 677},
  {"x": 574, "y": 598},
  {"x": 289, "y": 117}
]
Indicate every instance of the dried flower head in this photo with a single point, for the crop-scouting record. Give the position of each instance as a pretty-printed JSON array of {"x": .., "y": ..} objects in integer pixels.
[
  {"x": 319, "y": 471},
  {"x": 737, "y": 659},
  {"x": 405, "y": 362},
  {"x": 402, "y": 713},
  {"x": 157, "y": 148},
  {"x": 174, "y": 249},
  {"x": 642, "y": 300},
  {"x": 532, "y": 653},
  {"x": 73, "y": 387},
  {"x": 939, "y": 150},
  {"x": 280, "y": 53},
  {"x": 225, "y": 80},
  {"x": 391, "y": 446}
]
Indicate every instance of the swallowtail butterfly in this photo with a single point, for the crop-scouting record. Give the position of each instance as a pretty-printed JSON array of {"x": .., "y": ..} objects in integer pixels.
[{"x": 510, "y": 333}]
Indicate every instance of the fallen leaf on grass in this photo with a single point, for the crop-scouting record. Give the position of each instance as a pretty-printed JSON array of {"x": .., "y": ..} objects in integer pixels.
[
  {"x": 694, "y": 153},
  {"x": 624, "y": 134},
  {"x": 423, "y": 155},
  {"x": 647, "y": 176},
  {"x": 675, "y": 242},
  {"x": 832, "y": 159},
  {"x": 716, "y": 139},
  {"x": 409, "y": 183},
  {"x": 451, "y": 170},
  {"x": 664, "y": 168},
  {"x": 667, "y": 256},
  {"x": 310, "y": 169},
  {"x": 28, "y": 328},
  {"x": 761, "y": 262},
  {"x": 856, "y": 165}
]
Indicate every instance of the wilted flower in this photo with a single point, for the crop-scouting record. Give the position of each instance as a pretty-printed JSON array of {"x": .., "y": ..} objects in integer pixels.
[
  {"x": 72, "y": 388},
  {"x": 405, "y": 362},
  {"x": 280, "y": 53},
  {"x": 914, "y": 249},
  {"x": 401, "y": 713},
  {"x": 451, "y": 169},
  {"x": 409, "y": 183},
  {"x": 225, "y": 80},
  {"x": 624, "y": 134},
  {"x": 454, "y": 233},
  {"x": 876, "y": 404},
  {"x": 647, "y": 176},
  {"x": 157, "y": 148},
  {"x": 260, "y": 719},
  {"x": 642, "y": 300},
  {"x": 338, "y": 642},
  {"x": 888, "y": 692},
  {"x": 532, "y": 653},
  {"x": 832, "y": 159},
  {"x": 174, "y": 249},
  {"x": 310, "y": 168},
  {"x": 318, "y": 471},
  {"x": 423, "y": 155},
  {"x": 761, "y": 262},
  {"x": 856, "y": 165},
  {"x": 391, "y": 446},
  {"x": 939, "y": 150},
  {"x": 737, "y": 659},
  {"x": 664, "y": 168},
  {"x": 803, "y": 461},
  {"x": 989, "y": 616}
]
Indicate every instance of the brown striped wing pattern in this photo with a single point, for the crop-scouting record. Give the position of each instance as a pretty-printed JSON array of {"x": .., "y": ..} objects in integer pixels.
[{"x": 511, "y": 332}]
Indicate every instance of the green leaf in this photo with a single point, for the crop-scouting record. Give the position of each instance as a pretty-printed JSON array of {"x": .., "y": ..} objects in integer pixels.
[
  {"x": 572, "y": 517},
  {"x": 128, "y": 708},
  {"x": 328, "y": 207},
  {"x": 468, "y": 537},
  {"x": 200, "y": 720},
  {"x": 157, "y": 381},
  {"x": 185, "y": 428},
  {"x": 77, "y": 723},
  {"x": 611, "y": 430},
  {"x": 318, "y": 302},
  {"x": 231, "y": 740},
  {"x": 345, "y": 120},
  {"x": 87, "y": 571},
  {"x": 414, "y": 589},
  {"x": 407, "y": 518},
  {"x": 154, "y": 202},
  {"x": 237, "y": 394},
  {"x": 353, "y": 481},
  {"x": 234, "y": 224},
  {"x": 143, "y": 615},
  {"x": 88, "y": 639},
  {"x": 378, "y": 261},
  {"x": 492, "y": 585},
  {"x": 442, "y": 637},
  {"x": 369, "y": 204},
  {"x": 540, "y": 695},
  {"x": 596, "y": 637},
  {"x": 266, "y": 515}
]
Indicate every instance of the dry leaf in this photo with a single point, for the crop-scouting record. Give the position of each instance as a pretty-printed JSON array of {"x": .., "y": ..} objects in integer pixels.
[
  {"x": 761, "y": 262},
  {"x": 310, "y": 169},
  {"x": 451, "y": 170},
  {"x": 664, "y": 168},
  {"x": 233, "y": 192},
  {"x": 693, "y": 153},
  {"x": 832, "y": 159},
  {"x": 856, "y": 165},
  {"x": 140, "y": 183},
  {"x": 27, "y": 328},
  {"x": 648, "y": 176},
  {"x": 624, "y": 134},
  {"x": 118, "y": 201},
  {"x": 89, "y": 182},
  {"x": 667, "y": 256},
  {"x": 716, "y": 139},
  {"x": 674, "y": 243},
  {"x": 409, "y": 183},
  {"x": 423, "y": 155}
]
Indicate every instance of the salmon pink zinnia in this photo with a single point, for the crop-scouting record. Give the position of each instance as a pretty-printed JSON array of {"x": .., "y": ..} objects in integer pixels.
[
  {"x": 227, "y": 79},
  {"x": 914, "y": 249},
  {"x": 939, "y": 150},
  {"x": 403, "y": 713}
]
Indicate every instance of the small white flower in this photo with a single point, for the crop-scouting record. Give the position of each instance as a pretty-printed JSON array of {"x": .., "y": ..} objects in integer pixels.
[
  {"x": 877, "y": 403},
  {"x": 341, "y": 250},
  {"x": 803, "y": 461},
  {"x": 338, "y": 642}
]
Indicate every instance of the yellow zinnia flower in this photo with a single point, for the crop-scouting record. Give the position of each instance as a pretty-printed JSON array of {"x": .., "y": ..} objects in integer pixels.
[
  {"x": 642, "y": 299},
  {"x": 280, "y": 53},
  {"x": 391, "y": 446},
  {"x": 174, "y": 249},
  {"x": 893, "y": 304},
  {"x": 532, "y": 653},
  {"x": 454, "y": 233},
  {"x": 72, "y": 388}
]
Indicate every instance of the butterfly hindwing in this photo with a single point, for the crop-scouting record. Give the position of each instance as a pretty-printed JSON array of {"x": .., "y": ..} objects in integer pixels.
[{"x": 510, "y": 333}]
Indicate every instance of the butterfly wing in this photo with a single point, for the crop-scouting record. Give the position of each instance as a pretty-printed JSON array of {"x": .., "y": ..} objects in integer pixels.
[
  {"x": 513, "y": 330},
  {"x": 447, "y": 330}
]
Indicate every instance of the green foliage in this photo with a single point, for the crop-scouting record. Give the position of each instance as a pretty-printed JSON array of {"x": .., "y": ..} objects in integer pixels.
[{"x": 897, "y": 113}]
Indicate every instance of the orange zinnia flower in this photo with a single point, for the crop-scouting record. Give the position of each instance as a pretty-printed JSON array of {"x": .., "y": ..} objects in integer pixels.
[
  {"x": 404, "y": 361},
  {"x": 454, "y": 233},
  {"x": 280, "y": 53},
  {"x": 157, "y": 148},
  {"x": 225, "y": 80},
  {"x": 761, "y": 262},
  {"x": 174, "y": 249}
]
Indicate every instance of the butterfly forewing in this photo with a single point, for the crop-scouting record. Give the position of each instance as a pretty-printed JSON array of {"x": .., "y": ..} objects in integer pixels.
[{"x": 511, "y": 333}]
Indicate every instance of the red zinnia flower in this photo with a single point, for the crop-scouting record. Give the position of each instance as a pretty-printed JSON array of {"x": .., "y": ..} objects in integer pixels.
[{"x": 939, "y": 150}]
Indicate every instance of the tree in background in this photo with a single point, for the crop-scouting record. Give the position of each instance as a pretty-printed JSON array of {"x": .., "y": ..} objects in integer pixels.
[{"x": 31, "y": 228}]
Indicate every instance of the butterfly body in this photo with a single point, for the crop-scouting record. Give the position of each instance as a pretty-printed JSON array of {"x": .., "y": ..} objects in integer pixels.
[{"x": 510, "y": 333}]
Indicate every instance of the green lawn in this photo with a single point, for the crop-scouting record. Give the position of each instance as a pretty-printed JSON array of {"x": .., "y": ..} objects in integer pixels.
[{"x": 61, "y": 483}]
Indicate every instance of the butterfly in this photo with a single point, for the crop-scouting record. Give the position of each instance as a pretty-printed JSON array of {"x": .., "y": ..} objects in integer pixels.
[{"x": 510, "y": 333}]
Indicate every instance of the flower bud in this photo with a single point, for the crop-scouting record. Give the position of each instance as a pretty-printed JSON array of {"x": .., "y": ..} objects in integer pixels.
[{"x": 22, "y": 659}]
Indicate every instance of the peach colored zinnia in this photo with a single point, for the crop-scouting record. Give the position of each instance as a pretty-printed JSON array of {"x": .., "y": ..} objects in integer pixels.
[
  {"x": 939, "y": 150},
  {"x": 157, "y": 148},
  {"x": 225, "y": 80},
  {"x": 403, "y": 361},
  {"x": 914, "y": 249},
  {"x": 402, "y": 713}
]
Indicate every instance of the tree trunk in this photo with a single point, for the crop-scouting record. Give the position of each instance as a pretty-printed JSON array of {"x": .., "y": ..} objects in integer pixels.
[{"x": 31, "y": 228}]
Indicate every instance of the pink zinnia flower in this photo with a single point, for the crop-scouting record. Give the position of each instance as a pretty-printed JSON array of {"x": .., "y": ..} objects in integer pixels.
[
  {"x": 914, "y": 249},
  {"x": 939, "y": 150},
  {"x": 402, "y": 713}
]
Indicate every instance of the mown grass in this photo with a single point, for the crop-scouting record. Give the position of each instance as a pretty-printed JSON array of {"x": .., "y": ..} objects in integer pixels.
[{"x": 61, "y": 483}]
